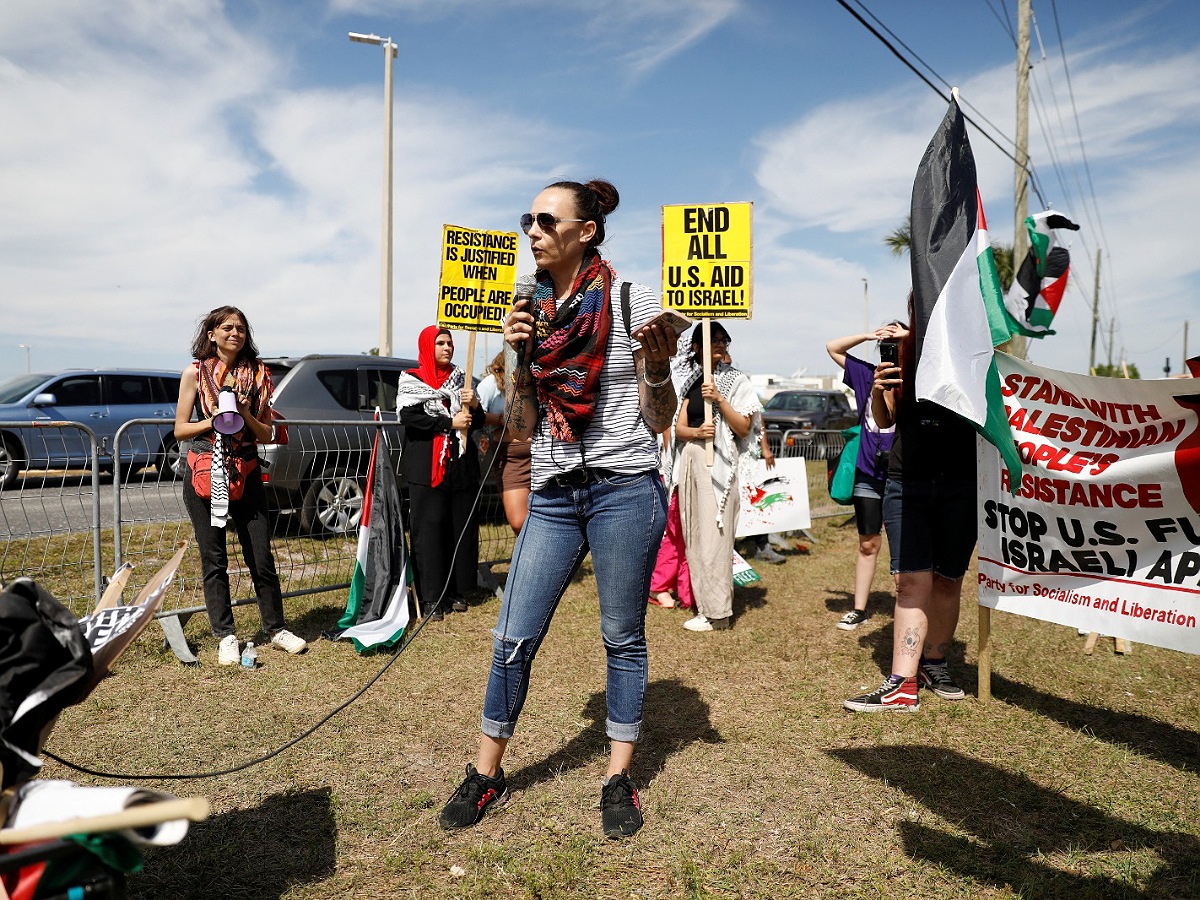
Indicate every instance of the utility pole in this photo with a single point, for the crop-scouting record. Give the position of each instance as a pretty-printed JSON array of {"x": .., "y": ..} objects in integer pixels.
[
  {"x": 1111, "y": 322},
  {"x": 1095, "y": 314},
  {"x": 867, "y": 310},
  {"x": 1185, "y": 356},
  {"x": 1019, "y": 342}
]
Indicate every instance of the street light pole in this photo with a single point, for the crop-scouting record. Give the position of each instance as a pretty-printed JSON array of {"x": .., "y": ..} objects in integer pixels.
[
  {"x": 385, "y": 291},
  {"x": 25, "y": 347},
  {"x": 866, "y": 308}
]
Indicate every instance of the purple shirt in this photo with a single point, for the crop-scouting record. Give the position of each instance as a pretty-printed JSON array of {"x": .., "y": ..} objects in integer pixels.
[{"x": 873, "y": 445}]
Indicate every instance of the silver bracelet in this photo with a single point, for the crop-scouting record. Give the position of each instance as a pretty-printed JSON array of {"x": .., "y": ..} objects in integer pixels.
[{"x": 655, "y": 384}]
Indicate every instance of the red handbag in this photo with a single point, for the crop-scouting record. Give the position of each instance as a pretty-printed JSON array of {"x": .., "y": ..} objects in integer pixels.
[{"x": 200, "y": 463}]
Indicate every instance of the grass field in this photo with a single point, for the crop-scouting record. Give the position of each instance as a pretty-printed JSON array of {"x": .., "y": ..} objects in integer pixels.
[{"x": 1079, "y": 779}]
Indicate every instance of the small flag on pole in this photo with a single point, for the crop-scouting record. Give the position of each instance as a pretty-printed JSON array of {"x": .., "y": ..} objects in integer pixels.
[
  {"x": 959, "y": 307},
  {"x": 1041, "y": 280},
  {"x": 377, "y": 608}
]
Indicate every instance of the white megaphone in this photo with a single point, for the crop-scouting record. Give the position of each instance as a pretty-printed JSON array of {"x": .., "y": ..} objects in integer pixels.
[{"x": 228, "y": 420}]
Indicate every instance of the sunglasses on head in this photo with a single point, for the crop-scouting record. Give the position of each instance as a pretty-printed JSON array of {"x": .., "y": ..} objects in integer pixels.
[{"x": 545, "y": 221}]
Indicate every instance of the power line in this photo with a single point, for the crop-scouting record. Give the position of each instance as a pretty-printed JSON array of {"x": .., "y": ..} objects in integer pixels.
[
  {"x": 1004, "y": 21},
  {"x": 1033, "y": 178},
  {"x": 1075, "y": 112}
]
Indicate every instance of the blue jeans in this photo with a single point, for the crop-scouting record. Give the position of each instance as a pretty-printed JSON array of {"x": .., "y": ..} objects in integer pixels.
[{"x": 620, "y": 519}]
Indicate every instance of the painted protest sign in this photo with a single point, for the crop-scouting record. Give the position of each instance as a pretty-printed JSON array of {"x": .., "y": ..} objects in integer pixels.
[
  {"x": 707, "y": 260},
  {"x": 773, "y": 499},
  {"x": 1103, "y": 533},
  {"x": 479, "y": 269},
  {"x": 743, "y": 572}
]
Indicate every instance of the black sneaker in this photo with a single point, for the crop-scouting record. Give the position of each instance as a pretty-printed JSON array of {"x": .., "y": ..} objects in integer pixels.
[
  {"x": 472, "y": 799},
  {"x": 458, "y": 605},
  {"x": 892, "y": 696},
  {"x": 936, "y": 677},
  {"x": 620, "y": 809},
  {"x": 852, "y": 619}
]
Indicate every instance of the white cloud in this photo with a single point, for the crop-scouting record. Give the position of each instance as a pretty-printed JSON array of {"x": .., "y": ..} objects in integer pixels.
[
  {"x": 847, "y": 167},
  {"x": 142, "y": 195}
]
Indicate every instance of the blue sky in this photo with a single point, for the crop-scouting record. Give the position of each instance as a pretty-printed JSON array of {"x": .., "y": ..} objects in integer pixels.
[{"x": 162, "y": 157}]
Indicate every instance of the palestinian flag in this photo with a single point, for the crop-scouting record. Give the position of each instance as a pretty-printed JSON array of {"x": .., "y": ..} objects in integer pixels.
[
  {"x": 959, "y": 306},
  {"x": 377, "y": 609},
  {"x": 1041, "y": 280}
]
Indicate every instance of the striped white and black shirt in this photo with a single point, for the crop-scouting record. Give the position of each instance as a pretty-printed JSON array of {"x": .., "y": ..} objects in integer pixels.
[{"x": 618, "y": 438}]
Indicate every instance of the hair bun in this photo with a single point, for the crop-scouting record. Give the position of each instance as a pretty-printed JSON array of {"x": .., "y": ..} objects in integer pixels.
[{"x": 606, "y": 193}]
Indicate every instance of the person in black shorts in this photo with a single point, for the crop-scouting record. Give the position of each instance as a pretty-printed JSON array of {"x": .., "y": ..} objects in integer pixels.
[
  {"x": 870, "y": 467},
  {"x": 929, "y": 514}
]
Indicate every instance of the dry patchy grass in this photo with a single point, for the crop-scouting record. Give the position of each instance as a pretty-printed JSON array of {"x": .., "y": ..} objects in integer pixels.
[{"x": 1078, "y": 780}]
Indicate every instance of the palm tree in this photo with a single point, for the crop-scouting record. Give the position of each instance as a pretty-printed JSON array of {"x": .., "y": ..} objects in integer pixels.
[
  {"x": 900, "y": 242},
  {"x": 900, "y": 239}
]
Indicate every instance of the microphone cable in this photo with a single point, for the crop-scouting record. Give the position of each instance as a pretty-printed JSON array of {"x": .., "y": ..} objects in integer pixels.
[{"x": 395, "y": 655}]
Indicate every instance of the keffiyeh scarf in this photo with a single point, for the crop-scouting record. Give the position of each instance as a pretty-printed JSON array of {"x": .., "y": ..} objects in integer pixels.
[
  {"x": 730, "y": 451},
  {"x": 572, "y": 339},
  {"x": 443, "y": 401},
  {"x": 249, "y": 378}
]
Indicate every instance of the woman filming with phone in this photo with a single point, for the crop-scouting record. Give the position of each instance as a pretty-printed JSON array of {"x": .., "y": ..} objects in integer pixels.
[{"x": 870, "y": 466}]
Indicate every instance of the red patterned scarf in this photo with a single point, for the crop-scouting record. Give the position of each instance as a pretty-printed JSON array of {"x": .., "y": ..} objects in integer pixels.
[{"x": 572, "y": 343}]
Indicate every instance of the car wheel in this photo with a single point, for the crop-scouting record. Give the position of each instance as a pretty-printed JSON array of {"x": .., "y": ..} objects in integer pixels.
[
  {"x": 333, "y": 504},
  {"x": 10, "y": 462},
  {"x": 170, "y": 462}
]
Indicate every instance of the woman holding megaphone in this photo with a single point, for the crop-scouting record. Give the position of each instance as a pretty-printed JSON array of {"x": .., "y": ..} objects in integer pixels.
[{"x": 228, "y": 390}]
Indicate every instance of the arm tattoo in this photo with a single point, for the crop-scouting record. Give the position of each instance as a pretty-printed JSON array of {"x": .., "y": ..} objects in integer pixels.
[
  {"x": 521, "y": 406},
  {"x": 657, "y": 403}
]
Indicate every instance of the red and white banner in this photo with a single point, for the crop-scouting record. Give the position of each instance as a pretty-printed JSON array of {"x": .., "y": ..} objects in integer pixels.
[{"x": 1103, "y": 533}]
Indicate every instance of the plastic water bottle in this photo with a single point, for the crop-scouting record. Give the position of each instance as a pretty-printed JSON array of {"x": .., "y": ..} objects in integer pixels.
[{"x": 249, "y": 656}]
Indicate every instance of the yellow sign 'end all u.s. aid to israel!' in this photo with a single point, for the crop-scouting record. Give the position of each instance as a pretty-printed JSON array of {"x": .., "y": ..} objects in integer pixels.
[
  {"x": 479, "y": 269},
  {"x": 707, "y": 260}
]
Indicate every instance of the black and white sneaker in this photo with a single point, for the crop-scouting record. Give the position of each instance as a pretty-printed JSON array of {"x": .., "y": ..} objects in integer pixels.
[
  {"x": 936, "y": 677},
  {"x": 473, "y": 798},
  {"x": 852, "y": 619},
  {"x": 894, "y": 695},
  {"x": 620, "y": 809}
]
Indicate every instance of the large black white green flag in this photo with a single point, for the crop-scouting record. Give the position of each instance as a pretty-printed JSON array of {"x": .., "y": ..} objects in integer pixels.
[{"x": 959, "y": 306}]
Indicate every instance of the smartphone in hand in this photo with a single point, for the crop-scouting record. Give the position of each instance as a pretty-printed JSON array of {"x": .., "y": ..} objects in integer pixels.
[
  {"x": 889, "y": 352},
  {"x": 668, "y": 319}
]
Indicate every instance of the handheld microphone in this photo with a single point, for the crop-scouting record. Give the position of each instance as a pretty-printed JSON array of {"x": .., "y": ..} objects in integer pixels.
[{"x": 523, "y": 290}]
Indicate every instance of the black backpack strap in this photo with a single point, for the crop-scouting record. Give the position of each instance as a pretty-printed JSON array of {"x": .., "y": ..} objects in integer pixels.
[{"x": 625, "y": 304}]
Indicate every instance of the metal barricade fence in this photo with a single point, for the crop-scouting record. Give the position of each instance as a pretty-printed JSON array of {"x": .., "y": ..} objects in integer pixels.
[
  {"x": 50, "y": 512},
  {"x": 316, "y": 484},
  {"x": 820, "y": 450}
]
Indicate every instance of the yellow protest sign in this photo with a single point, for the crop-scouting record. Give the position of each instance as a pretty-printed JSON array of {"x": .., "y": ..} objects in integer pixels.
[
  {"x": 479, "y": 269},
  {"x": 707, "y": 253}
]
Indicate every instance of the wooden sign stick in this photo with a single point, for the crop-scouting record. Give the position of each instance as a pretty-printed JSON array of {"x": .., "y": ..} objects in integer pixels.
[
  {"x": 194, "y": 808},
  {"x": 706, "y": 331},
  {"x": 469, "y": 372}
]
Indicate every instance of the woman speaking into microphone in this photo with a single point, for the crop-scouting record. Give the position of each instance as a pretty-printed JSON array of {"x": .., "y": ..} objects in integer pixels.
[{"x": 592, "y": 390}]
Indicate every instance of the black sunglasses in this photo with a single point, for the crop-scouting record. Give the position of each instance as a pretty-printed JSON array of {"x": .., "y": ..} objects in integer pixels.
[{"x": 545, "y": 221}]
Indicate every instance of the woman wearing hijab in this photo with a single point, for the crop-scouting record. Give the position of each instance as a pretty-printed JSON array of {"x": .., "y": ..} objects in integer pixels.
[
  {"x": 592, "y": 389},
  {"x": 709, "y": 500},
  {"x": 441, "y": 468},
  {"x": 227, "y": 358}
]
